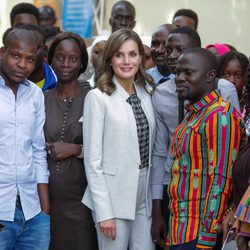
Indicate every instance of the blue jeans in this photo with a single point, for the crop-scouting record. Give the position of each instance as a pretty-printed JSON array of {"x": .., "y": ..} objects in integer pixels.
[
  {"x": 186, "y": 246},
  {"x": 33, "y": 234}
]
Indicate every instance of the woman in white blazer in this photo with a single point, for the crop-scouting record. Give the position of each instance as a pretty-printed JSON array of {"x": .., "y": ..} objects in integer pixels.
[{"x": 119, "y": 129}]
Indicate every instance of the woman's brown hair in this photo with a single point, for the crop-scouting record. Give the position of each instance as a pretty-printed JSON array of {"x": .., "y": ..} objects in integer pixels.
[{"x": 105, "y": 71}]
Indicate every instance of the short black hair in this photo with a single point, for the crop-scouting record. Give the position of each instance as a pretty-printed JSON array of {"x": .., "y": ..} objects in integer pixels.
[
  {"x": 24, "y": 35},
  {"x": 207, "y": 57},
  {"x": 23, "y": 8},
  {"x": 47, "y": 9},
  {"x": 191, "y": 33},
  {"x": 189, "y": 13},
  {"x": 51, "y": 32},
  {"x": 229, "y": 56},
  {"x": 123, "y": 2},
  {"x": 33, "y": 27},
  {"x": 6, "y": 32}
]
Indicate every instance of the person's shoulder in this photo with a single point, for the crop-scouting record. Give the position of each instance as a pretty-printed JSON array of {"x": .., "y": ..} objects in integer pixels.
[
  {"x": 149, "y": 71},
  {"x": 167, "y": 86},
  {"x": 33, "y": 87},
  {"x": 96, "y": 93},
  {"x": 224, "y": 107}
]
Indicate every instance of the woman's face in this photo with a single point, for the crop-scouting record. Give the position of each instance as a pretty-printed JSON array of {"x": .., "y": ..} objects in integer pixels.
[
  {"x": 96, "y": 52},
  {"x": 126, "y": 61},
  {"x": 233, "y": 72},
  {"x": 67, "y": 60}
]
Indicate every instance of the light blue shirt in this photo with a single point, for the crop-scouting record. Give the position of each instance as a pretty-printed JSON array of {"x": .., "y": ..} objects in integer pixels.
[
  {"x": 23, "y": 162},
  {"x": 156, "y": 75}
]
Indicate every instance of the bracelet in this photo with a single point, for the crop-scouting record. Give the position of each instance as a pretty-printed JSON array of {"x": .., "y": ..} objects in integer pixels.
[{"x": 81, "y": 154}]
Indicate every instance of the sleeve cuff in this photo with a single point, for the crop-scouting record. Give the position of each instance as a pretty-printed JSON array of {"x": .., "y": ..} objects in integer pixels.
[
  {"x": 42, "y": 176},
  {"x": 157, "y": 192},
  {"x": 206, "y": 240}
]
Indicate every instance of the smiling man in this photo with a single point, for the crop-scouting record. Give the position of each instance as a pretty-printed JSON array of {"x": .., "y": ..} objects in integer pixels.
[
  {"x": 166, "y": 107},
  {"x": 204, "y": 148},
  {"x": 160, "y": 73},
  {"x": 23, "y": 164}
]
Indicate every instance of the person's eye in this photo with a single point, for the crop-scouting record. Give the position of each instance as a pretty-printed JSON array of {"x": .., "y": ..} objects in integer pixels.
[
  {"x": 73, "y": 59},
  {"x": 180, "y": 50},
  {"x": 168, "y": 51},
  {"x": 133, "y": 53},
  {"x": 119, "y": 18},
  {"x": 225, "y": 74},
  {"x": 59, "y": 58},
  {"x": 31, "y": 60},
  {"x": 14, "y": 55},
  {"x": 238, "y": 75},
  {"x": 154, "y": 44},
  {"x": 188, "y": 72},
  {"x": 118, "y": 55}
]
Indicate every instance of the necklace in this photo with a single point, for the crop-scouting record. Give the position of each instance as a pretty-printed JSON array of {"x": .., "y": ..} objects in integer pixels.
[{"x": 65, "y": 116}]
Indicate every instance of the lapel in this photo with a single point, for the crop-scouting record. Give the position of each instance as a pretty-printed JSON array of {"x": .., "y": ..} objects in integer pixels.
[{"x": 133, "y": 139}]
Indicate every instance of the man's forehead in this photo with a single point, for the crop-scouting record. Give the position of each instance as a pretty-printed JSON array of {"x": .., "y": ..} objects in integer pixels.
[
  {"x": 179, "y": 38},
  {"x": 160, "y": 33},
  {"x": 122, "y": 9},
  {"x": 191, "y": 61}
]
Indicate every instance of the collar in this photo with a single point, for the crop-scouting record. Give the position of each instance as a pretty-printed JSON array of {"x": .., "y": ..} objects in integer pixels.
[
  {"x": 155, "y": 74},
  {"x": 213, "y": 96},
  {"x": 121, "y": 90},
  {"x": 25, "y": 82}
]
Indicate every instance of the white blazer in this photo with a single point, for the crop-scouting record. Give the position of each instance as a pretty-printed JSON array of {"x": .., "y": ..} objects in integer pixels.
[{"x": 111, "y": 153}]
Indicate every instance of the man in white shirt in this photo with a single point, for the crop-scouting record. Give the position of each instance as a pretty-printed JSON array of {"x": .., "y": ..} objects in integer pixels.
[{"x": 23, "y": 166}]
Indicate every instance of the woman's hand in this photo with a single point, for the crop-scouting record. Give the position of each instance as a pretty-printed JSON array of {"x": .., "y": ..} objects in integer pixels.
[
  {"x": 108, "y": 228},
  {"x": 61, "y": 150}
]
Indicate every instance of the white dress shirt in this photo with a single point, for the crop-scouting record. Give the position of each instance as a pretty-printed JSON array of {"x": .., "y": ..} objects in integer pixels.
[{"x": 23, "y": 162}]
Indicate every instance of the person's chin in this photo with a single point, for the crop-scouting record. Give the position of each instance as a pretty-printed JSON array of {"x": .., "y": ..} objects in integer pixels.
[{"x": 181, "y": 96}]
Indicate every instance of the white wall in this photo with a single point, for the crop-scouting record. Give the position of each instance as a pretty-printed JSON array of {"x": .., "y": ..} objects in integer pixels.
[{"x": 222, "y": 21}]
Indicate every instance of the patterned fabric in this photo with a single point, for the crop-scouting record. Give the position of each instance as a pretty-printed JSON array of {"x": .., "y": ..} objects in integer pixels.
[
  {"x": 142, "y": 128},
  {"x": 203, "y": 150}
]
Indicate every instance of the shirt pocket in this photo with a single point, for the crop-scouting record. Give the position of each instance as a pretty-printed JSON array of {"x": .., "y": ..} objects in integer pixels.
[{"x": 109, "y": 169}]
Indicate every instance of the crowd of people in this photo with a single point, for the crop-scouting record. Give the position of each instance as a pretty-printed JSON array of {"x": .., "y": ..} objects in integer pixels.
[{"x": 138, "y": 143}]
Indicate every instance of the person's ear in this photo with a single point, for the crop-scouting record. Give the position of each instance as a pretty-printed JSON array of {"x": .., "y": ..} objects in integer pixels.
[
  {"x": 211, "y": 75},
  {"x": 45, "y": 53},
  {"x": 54, "y": 21},
  {"x": 110, "y": 21},
  {"x": 1, "y": 52},
  {"x": 133, "y": 25}
]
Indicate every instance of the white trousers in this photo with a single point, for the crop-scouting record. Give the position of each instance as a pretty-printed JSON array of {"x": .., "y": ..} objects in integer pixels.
[{"x": 134, "y": 234}]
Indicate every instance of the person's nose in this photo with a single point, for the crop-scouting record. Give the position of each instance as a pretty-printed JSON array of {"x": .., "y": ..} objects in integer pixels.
[
  {"x": 161, "y": 49},
  {"x": 232, "y": 79},
  {"x": 126, "y": 59},
  {"x": 180, "y": 77},
  {"x": 22, "y": 63},
  {"x": 123, "y": 21},
  {"x": 174, "y": 54},
  {"x": 65, "y": 62}
]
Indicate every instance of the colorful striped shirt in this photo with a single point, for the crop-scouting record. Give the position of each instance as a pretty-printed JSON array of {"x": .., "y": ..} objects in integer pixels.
[{"x": 203, "y": 150}]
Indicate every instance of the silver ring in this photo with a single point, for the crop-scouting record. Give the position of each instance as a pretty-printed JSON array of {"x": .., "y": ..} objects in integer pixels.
[
  {"x": 154, "y": 240},
  {"x": 49, "y": 152}
]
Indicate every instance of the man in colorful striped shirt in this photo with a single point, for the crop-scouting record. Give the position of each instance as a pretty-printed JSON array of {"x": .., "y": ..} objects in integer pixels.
[{"x": 203, "y": 150}]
